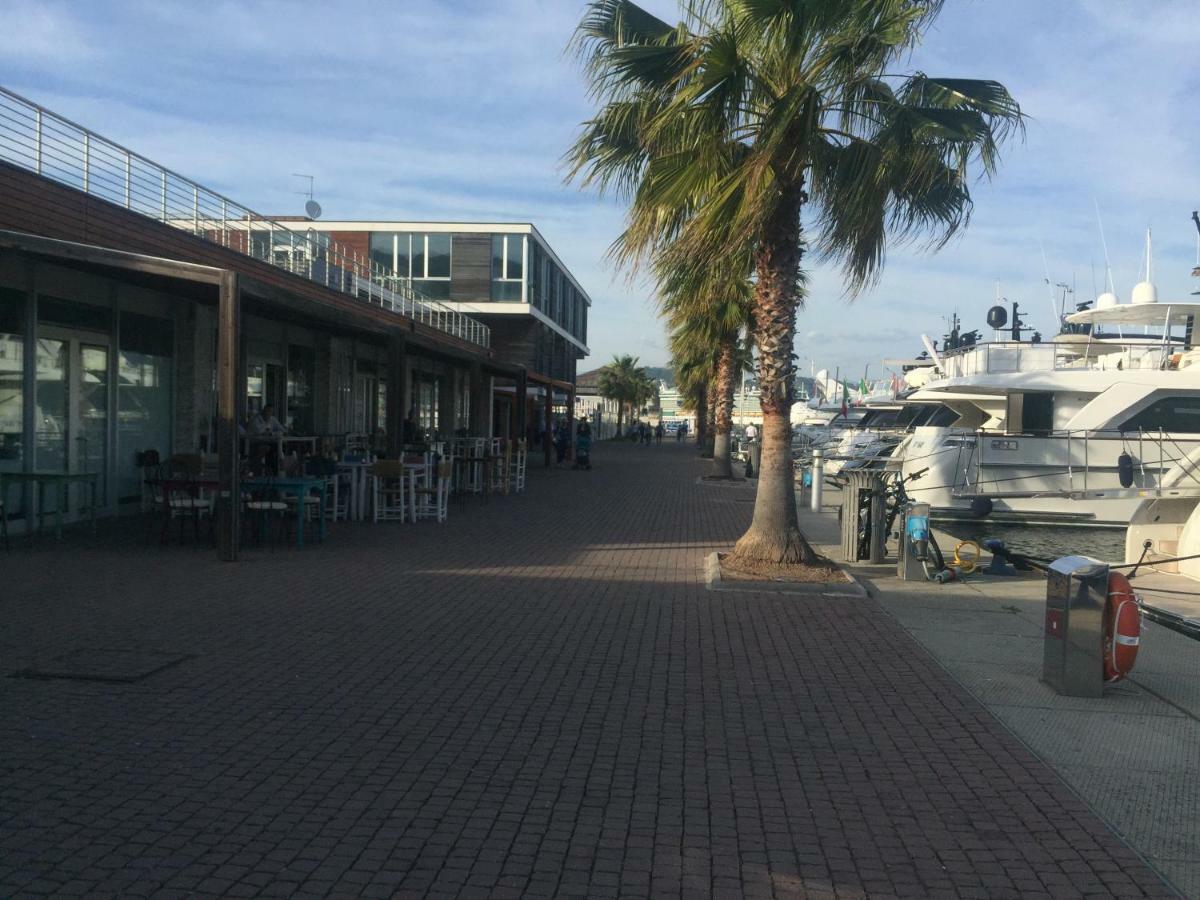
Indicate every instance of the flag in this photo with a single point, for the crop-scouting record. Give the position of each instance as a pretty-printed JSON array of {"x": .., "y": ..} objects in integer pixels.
[{"x": 863, "y": 390}]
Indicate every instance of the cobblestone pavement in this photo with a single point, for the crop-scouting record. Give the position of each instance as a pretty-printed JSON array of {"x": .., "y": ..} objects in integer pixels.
[{"x": 538, "y": 698}]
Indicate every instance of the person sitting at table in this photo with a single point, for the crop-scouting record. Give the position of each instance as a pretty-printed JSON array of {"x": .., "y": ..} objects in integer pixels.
[{"x": 264, "y": 422}]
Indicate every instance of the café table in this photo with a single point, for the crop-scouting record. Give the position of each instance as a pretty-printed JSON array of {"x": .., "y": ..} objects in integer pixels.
[
  {"x": 298, "y": 486},
  {"x": 62, "y": 480}
]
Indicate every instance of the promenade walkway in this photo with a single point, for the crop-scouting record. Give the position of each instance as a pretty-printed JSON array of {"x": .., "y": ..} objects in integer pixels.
[{"x": 539, "y": 698}]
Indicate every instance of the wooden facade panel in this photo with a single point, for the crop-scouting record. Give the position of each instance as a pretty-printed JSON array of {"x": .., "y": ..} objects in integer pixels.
[{"x": 471, "y": 272}]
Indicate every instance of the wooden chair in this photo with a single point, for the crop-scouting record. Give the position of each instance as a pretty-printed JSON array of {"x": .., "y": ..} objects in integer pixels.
[
  {"x": 389, "y": 490},
  {"x": 433, "y": 500},
  {"x": 264, "y": 504},
  {"x": 174, "y": 491}
]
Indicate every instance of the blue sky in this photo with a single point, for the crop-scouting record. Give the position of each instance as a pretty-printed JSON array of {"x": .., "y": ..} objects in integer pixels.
[{"x": 461, "y": 111}]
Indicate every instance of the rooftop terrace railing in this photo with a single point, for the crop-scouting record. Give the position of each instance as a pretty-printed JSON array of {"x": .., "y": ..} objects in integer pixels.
[{"x": 41, "y": 141}]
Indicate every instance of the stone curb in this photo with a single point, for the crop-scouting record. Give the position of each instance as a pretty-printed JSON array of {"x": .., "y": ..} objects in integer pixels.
[{"x": 714, "y": 582}]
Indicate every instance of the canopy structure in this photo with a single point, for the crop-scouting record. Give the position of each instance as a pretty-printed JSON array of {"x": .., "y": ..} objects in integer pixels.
[{"x": 1161, "y": 314}]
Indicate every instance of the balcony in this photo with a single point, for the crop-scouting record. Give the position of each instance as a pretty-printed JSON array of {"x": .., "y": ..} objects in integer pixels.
[{"x": 42, "y": 142}]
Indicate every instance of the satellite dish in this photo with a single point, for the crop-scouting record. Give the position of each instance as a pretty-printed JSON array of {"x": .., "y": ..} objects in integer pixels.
[{"x": 312, "y": 209}]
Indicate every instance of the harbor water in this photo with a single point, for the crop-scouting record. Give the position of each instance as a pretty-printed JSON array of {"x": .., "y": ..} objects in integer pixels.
[{"x": 1045, "y": 541}]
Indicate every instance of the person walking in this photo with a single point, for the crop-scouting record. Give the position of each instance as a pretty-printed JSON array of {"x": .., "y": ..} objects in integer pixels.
[
  {"x": 562, "y": 440},
  {"x": 658, "y": 433}
]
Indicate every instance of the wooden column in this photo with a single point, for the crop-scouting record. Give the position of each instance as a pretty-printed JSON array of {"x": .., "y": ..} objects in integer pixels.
[
  {"x": 481, "y": 403},
  {"x": 522, "y": 410},
  {"x": 396, "y": 392},
  {"x": 229, "y": 329}
]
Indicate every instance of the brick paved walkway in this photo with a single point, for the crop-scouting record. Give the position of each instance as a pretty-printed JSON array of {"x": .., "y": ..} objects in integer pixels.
[{"x": 537, "y": 699}]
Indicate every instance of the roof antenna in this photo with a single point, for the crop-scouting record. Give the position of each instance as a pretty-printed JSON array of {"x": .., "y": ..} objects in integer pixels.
[
  {"x": 312, "y": 208},
  {"x": 1054, "y": 316},
  {"x": 1104, "y": 244}
]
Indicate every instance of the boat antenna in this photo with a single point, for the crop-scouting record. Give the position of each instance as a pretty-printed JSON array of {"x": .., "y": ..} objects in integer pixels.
[
  {"x": 1104, "y": 244},
  {"x": 1049, "y": 284}
]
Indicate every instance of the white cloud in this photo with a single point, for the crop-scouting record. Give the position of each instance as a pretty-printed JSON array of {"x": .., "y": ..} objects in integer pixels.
[{"x": 463, "y": 109}]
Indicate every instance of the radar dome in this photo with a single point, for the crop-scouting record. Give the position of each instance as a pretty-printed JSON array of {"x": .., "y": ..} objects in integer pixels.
[
  {"x": 1107, "y": 300},
  {"x": 1144, "y": 292}
]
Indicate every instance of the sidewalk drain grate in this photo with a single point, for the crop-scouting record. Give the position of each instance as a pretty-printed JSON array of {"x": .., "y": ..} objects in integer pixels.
[{"x": 105, "y": 665}]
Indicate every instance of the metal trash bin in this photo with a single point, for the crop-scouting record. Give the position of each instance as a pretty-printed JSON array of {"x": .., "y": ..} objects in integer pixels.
[
  {"x": 1073, "y": 643},
  {"x": 864, "y": 508}
]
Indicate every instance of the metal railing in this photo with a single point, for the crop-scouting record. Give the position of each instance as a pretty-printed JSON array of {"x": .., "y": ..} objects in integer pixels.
[
  {"x": 43, "y": 142},
  {"x": 1006, "y": 357},
  {"x": 1076, "y": 461}
]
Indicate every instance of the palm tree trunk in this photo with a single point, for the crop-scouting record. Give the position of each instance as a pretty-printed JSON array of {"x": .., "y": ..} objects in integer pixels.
[
  {"x": 701, "y": 407},
  {"x": 710, "y": 421},
  {"x": 774, "y": 535},
  {"x": 722, "y": 464},
  {"x": 620, "y": 417}
]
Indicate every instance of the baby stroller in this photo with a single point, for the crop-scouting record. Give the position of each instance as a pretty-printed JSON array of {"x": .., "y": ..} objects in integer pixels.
[{"x": 583, "y": 448}]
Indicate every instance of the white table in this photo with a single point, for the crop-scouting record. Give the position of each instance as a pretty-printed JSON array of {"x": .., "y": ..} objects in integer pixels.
[{"x": 358, "y": 488}]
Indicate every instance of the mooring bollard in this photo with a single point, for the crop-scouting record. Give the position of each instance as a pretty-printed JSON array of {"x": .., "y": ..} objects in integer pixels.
[{"x": 818, "y": 480}]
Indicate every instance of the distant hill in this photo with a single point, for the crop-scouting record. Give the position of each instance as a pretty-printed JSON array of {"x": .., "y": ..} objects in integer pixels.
[{"x": 661, "y": 373}]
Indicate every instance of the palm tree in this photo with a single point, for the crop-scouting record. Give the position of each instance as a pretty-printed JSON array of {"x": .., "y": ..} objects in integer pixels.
[
  {"x": 707, "y": 309},
  {"x": 625, "y": 381},
  {"x": 723, "y": 130}
]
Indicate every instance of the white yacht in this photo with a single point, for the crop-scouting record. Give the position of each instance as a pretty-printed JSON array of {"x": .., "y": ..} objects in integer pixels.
[{"x": 1067, "y": 430}]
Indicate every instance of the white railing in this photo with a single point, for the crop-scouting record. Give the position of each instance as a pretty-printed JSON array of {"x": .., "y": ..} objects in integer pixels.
[
  {"x": 37, "y": 139},
  {"x": 1001, "y": 358}
]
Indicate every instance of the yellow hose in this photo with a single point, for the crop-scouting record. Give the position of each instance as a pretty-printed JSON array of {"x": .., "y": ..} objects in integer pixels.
[{"x": 969, "y": 564}]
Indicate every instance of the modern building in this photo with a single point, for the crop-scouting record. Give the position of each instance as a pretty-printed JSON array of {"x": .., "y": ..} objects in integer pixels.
[
  {"x": 141, "y": 311},
  {"x": 504, "y": 275}
]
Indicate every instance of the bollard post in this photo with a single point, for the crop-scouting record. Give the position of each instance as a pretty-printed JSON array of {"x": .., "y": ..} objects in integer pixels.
[{"x": 818, "y": 480}]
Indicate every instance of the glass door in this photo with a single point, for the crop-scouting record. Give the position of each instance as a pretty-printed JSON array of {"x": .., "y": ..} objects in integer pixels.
[
  {"x": 72, "y": 412},
  {"x": 91, "y": 445}
]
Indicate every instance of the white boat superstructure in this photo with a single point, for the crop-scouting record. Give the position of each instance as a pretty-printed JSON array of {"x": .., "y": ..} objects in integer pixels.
[{"x": 1042, "y": 427}]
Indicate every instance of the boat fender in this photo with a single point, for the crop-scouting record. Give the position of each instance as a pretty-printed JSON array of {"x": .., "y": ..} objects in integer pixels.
[
  {"x": 981, "y": 507},
  {"x": 1125, "y": 469},
  {"x": 1122, "y": 628}
]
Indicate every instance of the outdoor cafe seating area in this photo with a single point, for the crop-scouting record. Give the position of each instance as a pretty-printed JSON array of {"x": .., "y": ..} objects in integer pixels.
[{"x": 292, "y": 489}]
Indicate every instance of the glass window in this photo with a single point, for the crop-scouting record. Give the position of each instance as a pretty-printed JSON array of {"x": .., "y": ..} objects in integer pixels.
[
  {"x": 1171, "y": 414},
  {"x": 383, "y": 250},
  {"x": 404, "y": 254},
  {"x": 418, "y": 256},
  {"x": 514, "y": 257},
  {"x": 12, "y": 378},
  {"x": 439, "y": 255},
  {"x": 497, "y": 256},
  {"x": 434, "y": 290},
  {"x": 55, "y": 311},
  {"x": 508, "y": 264},
  {"x": 301, "y": 364}
]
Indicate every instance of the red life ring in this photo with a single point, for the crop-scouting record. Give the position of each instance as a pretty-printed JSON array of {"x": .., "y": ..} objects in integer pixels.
[{"x": 1122, "y": 628}]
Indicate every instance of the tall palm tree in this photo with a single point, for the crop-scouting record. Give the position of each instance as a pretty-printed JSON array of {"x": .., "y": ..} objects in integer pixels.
[
  {"x": 723, "y": 130},
  {"x": 625, "y": 381},
  {"x": 707, "y": 309}
]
